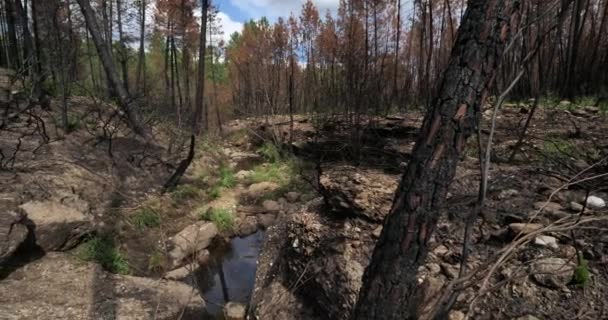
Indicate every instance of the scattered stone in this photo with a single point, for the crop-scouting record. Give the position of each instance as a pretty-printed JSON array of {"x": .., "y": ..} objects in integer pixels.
[
  {"x": 248, "y": 227},
  {"x": 67, "y": 288},
  {"x": 376, "y": 233},
  {"x": 595, "y": 203},
  {"x": 292, "y": 196},
  {"x": 13, "y": 232},
  {"x": 433, "y": 268},
  {"x": 202, "y": 257},
  {"x": 525, "y": 228},
  {"x": 553, "y": 273},
  {"x": 528, "y": 317},
  {"x": 509, "y": 193},
  {"x": 565, "y": 103},
  {"x": 56, "y": 227},
  {"x": 591, "y": 109},
  {"x": 546, "y": 241},
  {"x": 266, "y": 220},
  {"x": 271, "y": 206},
  {"x": 181, "y": 273},
  {"x": 191, "y": 240},
  {"x": 457, "y": 315},
  {"x": 258, "y": 190},
  {"x": 567, "y": 251},
  {"x": 243, "y": 175},
  {"x": 581, "y": 164},
  {"x": 234, "y": 311},
  {"x": 575, "y": 207},
  {"x": 450, "y": 271},
  {"x": 441, "y": 250}
]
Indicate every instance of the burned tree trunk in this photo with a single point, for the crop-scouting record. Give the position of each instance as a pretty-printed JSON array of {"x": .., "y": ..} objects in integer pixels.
[
  {"x": 390, "y": 285},
  {"x": 105, "y": 54}
]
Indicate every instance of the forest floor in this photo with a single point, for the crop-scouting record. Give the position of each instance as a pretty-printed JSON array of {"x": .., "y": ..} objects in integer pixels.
[
  {"x": 526, "y": 244},
  {"x": 85, "y": 222}
]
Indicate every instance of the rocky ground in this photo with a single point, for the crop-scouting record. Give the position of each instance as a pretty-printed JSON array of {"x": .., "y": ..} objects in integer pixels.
[
  {"x": 313, "y": 261},
  {"x": 86, "y": 233}
]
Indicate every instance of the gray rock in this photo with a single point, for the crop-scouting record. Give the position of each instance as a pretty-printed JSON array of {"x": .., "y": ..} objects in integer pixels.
[
  {"x": 248, "y": 226},
  {"x": 181, "y": 273},
  {"x": 67, "y": 288},
  {"x": 376, "y": 233},
  {"x": 292, "y": 196},
  {"x": 595, "y": 203},
  {"x": 271, "y": 206},
  {"x": 509, "y": 193},
  {"x": 258, "y": 190},
  {"x": 525, "y": 228},
  {"x": 528, "y": 317},
  {"x": 56, "y": 227},
  {"x": 457, "y": 315},
  {"x": 553, "y": 273},
  {"x": 546, "y": 241},
  {"x": 191, "y": 240},
  {"x": 266, "y": 220},
  {"x": 234, "y": 311},
  {"x": 13, "y": 233},
  {"x": 243, "y": 175},
  {"x": 575, "y": 206}
]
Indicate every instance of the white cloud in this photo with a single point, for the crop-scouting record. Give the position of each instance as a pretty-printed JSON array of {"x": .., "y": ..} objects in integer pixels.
[
  {"x": 281, "y": 8},
  {"x": 229, "y": 26}
]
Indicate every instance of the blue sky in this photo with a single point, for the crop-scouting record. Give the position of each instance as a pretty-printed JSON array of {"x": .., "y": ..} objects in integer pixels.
[{"x": 234, "y": 13}]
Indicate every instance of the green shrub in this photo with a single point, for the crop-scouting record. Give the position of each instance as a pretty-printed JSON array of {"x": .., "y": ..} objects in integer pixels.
[
  {"x": 184, "y": 192},
  {"x": 156, "y": 261},
  {"x": 73, "y": 124},
  {"x": 215, "y": 192},
  {"x": 146, "y": 218},
  {"x": 221, "y": 217},
  {"x": 270, "y": 152},
  {"x": 278, "y": 172},
  {"x": 581, "y": 273},
  {"x": 101, "y": 249}
]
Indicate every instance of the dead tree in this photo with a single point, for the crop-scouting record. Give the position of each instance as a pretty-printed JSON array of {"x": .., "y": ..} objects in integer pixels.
[
  {"x": 105, "y": 55},
  {"x": 390, "y": 287}
]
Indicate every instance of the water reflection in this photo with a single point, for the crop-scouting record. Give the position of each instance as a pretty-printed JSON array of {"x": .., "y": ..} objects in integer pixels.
[{"x": 230, "y": 273}]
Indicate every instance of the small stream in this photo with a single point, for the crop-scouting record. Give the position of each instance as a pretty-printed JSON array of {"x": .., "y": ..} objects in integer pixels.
[{"x": 230, "y": 273}]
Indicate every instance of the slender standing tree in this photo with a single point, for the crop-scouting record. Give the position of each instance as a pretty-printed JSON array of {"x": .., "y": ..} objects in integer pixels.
[
  {"x": 389, "y": 288},
  {"x": 198, "y": 124}
]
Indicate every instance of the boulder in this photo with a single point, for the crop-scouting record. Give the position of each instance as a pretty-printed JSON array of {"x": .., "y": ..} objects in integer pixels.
[
  {"x": 365, "y": 193},
  {"x": 13, "y": 233},
  {"x": 181, "y": 273},
  {"x": 457, "y": 315},
  {"x": 248, "y": 226},
  {"x": 266, "y": 220},
  {"x": 191, "y": 240},
  {"x": 56, "y": 226},
  {"x": 258, "y": 190},
  {"x": 234, "y": 311},
  {"x": 271, "y": 206},
  {"x": 377, "y": 232},
  {"x": 553, "y": 273},
  {"x": 243, "y": 175},
  {"x": 58, "y": 286}
]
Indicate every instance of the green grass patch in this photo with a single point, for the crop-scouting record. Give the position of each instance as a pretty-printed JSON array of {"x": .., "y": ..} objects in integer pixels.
[
  {"x": 221, "y": 217},
  {"x": 557, "y": 147},
  {"x": 581, "y": 273},
  {"x": 101, "y": 249},
  {"x": 226, "y": 178},
  {"x": 184, "y": 192},
  {"x": 278, "y": 172},
  {"x": 215, "y": 192},
  {"x": 146, "y": 218},
  {"x": 270, "y": 152}
]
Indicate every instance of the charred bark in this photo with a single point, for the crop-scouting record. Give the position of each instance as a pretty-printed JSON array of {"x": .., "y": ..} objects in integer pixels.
[{"x": 390, "y": 287}]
